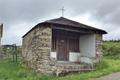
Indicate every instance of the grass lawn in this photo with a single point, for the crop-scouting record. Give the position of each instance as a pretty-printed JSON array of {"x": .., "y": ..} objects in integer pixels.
[{"x": 13, "y": 71}]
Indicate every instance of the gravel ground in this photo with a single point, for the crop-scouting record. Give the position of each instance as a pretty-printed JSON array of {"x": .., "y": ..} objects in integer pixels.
[{"x": 113, "y": 76}]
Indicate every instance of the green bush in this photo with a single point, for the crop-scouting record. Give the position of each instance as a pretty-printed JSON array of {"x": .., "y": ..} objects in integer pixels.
[{"x": 111, "y": 49}]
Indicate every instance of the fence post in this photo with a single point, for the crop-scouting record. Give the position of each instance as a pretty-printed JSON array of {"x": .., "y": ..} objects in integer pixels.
[{"x": 14, "y": 52}]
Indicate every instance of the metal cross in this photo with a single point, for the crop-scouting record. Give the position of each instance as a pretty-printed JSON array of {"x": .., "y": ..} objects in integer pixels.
[{"x": 62, "y": 11}]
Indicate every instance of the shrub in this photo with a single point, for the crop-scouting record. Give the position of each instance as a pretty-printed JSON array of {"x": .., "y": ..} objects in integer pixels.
[{"x": 111, "y": 49}]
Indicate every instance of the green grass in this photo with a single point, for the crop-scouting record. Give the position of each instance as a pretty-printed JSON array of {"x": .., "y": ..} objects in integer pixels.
[
  {"x": 13, "y": 71},
  {"x": 10, "y": 70}
]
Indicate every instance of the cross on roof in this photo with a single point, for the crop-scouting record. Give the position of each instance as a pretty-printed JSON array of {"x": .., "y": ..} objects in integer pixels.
[{"x": 62, "y": 11}]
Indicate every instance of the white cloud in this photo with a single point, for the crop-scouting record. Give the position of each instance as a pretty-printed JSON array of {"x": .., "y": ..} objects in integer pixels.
[{"x": 19, "y": 16}]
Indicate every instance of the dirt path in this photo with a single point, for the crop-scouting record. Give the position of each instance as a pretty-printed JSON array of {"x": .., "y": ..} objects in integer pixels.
[{"x": 113, "y": 76}]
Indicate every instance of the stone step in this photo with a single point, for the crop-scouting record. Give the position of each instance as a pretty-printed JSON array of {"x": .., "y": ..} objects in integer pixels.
[{"x": 68, "y": 68}]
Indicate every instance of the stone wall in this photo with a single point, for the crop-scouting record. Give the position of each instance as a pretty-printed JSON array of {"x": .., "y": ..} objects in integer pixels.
[
  {"x": 37, "y": 48},
  {"x": 99, "y": 46}
]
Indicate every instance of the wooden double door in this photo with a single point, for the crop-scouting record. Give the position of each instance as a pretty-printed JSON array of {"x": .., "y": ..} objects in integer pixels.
[{"x": 62, "y": 49}]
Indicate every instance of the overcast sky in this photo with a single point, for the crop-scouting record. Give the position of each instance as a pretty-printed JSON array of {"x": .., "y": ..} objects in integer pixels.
[{"x": 19, "y": 16}]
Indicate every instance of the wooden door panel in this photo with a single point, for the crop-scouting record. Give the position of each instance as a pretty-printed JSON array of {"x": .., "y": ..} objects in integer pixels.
[{"x": 62, "y": 49}]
